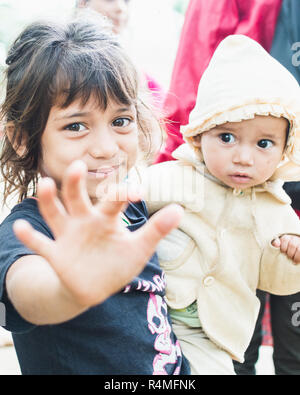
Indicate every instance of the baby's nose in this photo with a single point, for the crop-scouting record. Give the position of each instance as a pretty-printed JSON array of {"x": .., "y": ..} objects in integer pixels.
[{"x": 243, "y": 156}]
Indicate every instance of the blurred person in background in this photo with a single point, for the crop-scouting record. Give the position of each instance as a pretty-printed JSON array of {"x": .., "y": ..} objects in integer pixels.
[
  {"x": 275, "y": 25},
  {"x": 115, "y": 10}
]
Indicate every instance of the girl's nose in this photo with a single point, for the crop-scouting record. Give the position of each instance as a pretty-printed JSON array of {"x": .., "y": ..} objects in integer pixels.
[
  {"x": 243, "y": 156},
  {"x": 103, "y": 145}
]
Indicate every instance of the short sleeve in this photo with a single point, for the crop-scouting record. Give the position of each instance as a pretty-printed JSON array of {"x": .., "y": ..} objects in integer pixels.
[{"x": 11, "y": 249}]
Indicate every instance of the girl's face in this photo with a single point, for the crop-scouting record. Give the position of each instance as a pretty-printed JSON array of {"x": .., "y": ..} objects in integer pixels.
[
  {"x": 244, "y": 154},
  {"x": 116, "y": 10},
  {"x": 107, "y": 141}
]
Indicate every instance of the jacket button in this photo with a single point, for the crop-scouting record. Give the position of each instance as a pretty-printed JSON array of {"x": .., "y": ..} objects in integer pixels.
[{"x": 208, "y": 281}]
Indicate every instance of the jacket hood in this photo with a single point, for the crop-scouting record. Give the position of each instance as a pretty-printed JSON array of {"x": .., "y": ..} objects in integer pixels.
[{"x": 241, "y": 81}]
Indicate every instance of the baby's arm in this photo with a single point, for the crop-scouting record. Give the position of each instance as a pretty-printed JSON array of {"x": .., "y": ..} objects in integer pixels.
[
  {"x": 289, "y": 245},
  {"x": 92, "y": 257}
]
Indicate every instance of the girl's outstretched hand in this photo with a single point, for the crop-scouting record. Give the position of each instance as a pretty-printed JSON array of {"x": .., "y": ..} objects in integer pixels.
[{"x": 93, "y": 253}]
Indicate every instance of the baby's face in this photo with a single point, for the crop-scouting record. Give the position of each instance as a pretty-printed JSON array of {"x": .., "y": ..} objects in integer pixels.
[{"x": 244, "y": 154}]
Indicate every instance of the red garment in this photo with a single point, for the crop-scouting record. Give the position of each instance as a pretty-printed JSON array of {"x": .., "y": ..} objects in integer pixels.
[
  {"x": 207, "y": 22},
  {"x": 157, "y": 91}
]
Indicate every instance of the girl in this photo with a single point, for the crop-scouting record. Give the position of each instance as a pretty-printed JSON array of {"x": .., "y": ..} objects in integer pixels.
[
  {"x": 239, "y": 232},
  {"x": 73, "y": 112}
]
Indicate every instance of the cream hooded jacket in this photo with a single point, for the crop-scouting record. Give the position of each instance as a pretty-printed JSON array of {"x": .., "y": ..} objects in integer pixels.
[{"x": 221, "y": 252}]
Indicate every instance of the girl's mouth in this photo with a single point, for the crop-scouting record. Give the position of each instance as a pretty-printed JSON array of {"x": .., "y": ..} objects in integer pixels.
[{"x": 102, "y": 172}]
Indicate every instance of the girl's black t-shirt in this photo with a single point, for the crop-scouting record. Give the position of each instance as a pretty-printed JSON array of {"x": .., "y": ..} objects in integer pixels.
[{"x": 129, "y": 333}]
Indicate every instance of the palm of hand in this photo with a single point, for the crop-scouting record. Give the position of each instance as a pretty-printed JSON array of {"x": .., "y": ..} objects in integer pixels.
[{"x": 93, "y": 254}]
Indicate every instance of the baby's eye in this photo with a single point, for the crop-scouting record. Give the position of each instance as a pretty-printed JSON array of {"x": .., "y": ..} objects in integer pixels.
[
  {"x": 76, "y": 127},
  {"x": 121, "y": 122},
  {"x": 227, "y": 138},
  {"x": 265, "y": 144}
]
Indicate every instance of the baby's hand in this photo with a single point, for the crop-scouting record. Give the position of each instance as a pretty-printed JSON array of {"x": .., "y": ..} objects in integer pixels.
[{"x": 289, "y": 245}]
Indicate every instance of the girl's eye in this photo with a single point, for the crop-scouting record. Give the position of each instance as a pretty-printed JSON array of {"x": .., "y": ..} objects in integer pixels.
[
  {"x": 265, "y": 144},
  {"x": 75, "y": 127},
  {"x": 227, "y": 138},
  {"x": 121, "y": 122}
]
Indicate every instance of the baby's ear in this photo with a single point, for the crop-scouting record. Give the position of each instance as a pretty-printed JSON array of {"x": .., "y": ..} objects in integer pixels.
[
  {"x": 196, "y": 141},
  {"x": 17, "y": 140}
]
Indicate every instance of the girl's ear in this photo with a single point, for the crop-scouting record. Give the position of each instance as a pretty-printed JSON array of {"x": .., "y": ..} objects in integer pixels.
[{"x": 18, "y": 142}]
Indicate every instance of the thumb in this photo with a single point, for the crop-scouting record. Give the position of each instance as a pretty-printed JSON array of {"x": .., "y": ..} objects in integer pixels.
[
  {"x": 158, "y": 226},
  {"x": 276, "y": 242}
]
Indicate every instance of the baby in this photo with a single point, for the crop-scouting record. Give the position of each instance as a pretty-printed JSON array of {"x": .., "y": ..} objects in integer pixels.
[{"x": 239, "y": 232}]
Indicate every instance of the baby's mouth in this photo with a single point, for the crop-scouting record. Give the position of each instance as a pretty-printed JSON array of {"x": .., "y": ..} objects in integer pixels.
[{"x": 240, "y": 178}]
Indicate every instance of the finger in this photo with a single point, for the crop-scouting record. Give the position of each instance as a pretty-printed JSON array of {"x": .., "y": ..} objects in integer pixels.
[
  {"x": 33, "y": 239},
  {"x": 50, "y": 206},
  {"x": 284, "y": 242},
  {"x": 297, "y": 256},
  {"x": 158, "y": 226},
  {"x": 74, "y": 191},
  {"x": 288, "y": 245},
  {"x": 291, "y": 249},
  {"x": 292, "y": 246},
  {"x": 276, "y": 242},
  {"x": 117, "y": 198}
]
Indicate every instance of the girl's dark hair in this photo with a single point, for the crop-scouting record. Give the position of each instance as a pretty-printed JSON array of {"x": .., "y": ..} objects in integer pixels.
[{"x": 56, "y": 64}]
